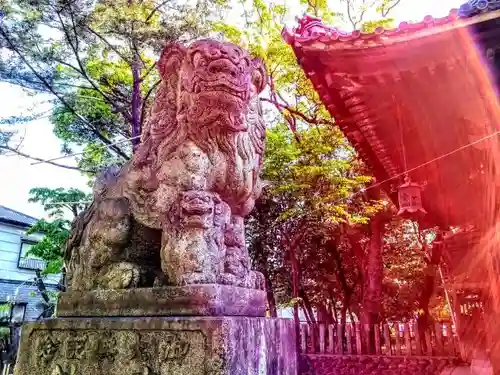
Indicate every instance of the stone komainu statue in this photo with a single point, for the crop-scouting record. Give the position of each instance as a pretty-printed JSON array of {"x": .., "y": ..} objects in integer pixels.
[{"x": 173, "y": 215}]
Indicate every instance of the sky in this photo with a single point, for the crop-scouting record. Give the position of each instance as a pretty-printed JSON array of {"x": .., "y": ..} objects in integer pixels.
[{"x": 18, "y": 175}]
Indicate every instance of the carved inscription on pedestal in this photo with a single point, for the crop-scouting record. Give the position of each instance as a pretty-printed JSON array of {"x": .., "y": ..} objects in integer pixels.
[
  {"x": 174, "y": 348},
  {"x": 124, "y": 352},
  {"x": 47, "y": 347}
]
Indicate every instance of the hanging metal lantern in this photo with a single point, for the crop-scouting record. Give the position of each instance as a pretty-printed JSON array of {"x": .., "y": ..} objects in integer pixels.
[{"x": 410, "y": 199}]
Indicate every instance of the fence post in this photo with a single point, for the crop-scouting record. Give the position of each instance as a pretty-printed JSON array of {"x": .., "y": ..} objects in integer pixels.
[
  {"x": 439, "y": 338},
  {"x": 348, "y": 330},
  {"x": 377, "y": 339},
  {"x": 331, "y": 339},
  {"x": 418, "y": 343},
  {"x": 398, "y": 340},
  {"x": 407, "y": 339},
  {"x": 313, "y": 337},
  {"x": 359, "y": 344},
  {"x": 387, "y": 340},
  {"x": 322, "y": 338},
  {"x": 340, "y": 339},
  {"x": 303, "y": 338},
  {"x": 366, "y": 339},
  {"x": 331, "y": 343}
]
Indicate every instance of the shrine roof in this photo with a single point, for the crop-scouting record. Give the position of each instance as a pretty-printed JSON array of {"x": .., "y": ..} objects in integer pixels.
[
  {"x": 312, "y": 32},
  {"x": 398, "y": 94},
  {"x": 475, "y": 7}
]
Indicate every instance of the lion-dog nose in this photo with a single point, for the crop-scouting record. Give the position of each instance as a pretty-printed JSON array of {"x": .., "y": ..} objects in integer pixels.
[{"x": 223, "y": 66}]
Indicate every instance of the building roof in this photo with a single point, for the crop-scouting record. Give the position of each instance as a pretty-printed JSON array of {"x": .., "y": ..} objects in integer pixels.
[
  {"x": 407, "y": 96},
  {"x": 11, "y": 216},
  {"x": 311, "y": 30},
  {"x": 475, "y": 7}
]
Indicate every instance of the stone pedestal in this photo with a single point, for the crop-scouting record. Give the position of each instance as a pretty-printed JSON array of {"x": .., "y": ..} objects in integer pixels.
[
  {"x": 159, "y": 346},
  {"x": 189, "y": 300},
  {"x": 192, "y": 330}
]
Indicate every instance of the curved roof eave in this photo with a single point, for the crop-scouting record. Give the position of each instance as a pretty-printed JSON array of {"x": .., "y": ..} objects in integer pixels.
[{"x": 312, "y": 33}]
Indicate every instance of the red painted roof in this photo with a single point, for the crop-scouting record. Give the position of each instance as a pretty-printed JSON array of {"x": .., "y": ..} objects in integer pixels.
[
  {"x": 311, "y": 30},
  {"x": 434, "y": 72}
]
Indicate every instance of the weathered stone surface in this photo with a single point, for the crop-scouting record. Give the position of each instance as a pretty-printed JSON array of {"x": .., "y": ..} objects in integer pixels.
[
  {"x": 159, "y": 346},
  {"x": 191, "y": 300},
  {"x": 174, "y": 214},
  {"x": 372, "y": 365}
]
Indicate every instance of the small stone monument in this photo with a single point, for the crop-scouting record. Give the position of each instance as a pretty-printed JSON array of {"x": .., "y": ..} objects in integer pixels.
[{"x": 158, "y": 274}]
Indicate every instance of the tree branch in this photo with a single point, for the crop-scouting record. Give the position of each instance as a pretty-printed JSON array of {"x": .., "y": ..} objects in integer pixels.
[
  {"x": 289, "y": 119},
  {"x": 99, "y": 135},
  {"x": 156, "y": 9},
  {"x": 74, "y": 48},
  {"x": 17, "y": 152},
  {"x": 112, "y": 47},
  {"x": 350, "y": 16},
  {"x": 385, "y": 11},
  {"x": 309, "y": 120},
  {"x": 148, "y": 71}
]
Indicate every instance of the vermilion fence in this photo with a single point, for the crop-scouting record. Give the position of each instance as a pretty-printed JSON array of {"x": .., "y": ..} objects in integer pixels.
[{"x": 396, "y": 339}]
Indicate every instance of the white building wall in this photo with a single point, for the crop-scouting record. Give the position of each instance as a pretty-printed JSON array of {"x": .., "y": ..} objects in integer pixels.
[{"x": 10, "y": 247}]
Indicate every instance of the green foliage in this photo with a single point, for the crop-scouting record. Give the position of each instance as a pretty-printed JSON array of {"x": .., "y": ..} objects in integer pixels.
[
  {"x": 5, "y": 309},
  {"x": 319, "y": 175},
  {"x": 403, "y": 270},
  {"x": 50, "y": 247},
  {"x": 291, "y": 93},
  {"x": 96, "y": 59},
  {"x": 371, "y": 26},
  {"x": 4, "y": 333},
  {"x": 315, "y": 196},
  {"x": 57, "y": 203},
  {"x": 315, "y": 191}
]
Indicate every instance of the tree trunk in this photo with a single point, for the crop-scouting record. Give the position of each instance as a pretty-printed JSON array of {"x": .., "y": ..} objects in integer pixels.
[
  {"x": 262, "y": 266},
  {"x": 306, "y": 313},
  {"x": 41, "y": 286},
  {"x": 343, "y": 322},
  {"x": 295, "y": 296},
  {"x": 271, "y": 301},
  {"x": 324, "y": 316},
  {"x": 372, "y": 291},
  {"x": 136, "y": 102},
  {"x": 335, "y": 313},
  {"x": 428, "y": 288},
  {"x": 307, "y": 305}
]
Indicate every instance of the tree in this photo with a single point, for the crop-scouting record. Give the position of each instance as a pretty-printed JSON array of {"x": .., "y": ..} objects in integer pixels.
[
  {"x": 312, "y": 196},
  {"x": 331, "y": 268},
  {"x": 356, "y": 12},
  {"x": 308, "y": 197},
  {"x": 57, "y": 203},
  {"x": 96, "y": 63},
  {"x": 404, "y": 263}
]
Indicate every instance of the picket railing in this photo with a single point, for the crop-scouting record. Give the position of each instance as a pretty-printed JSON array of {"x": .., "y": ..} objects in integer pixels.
[{"x": 395, "y": 339}]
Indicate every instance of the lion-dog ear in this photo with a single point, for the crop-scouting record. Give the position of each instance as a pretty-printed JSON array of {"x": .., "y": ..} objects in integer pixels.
[
  {"x": 171, "y": 59},
  {"x": 259, "y": 75}
]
